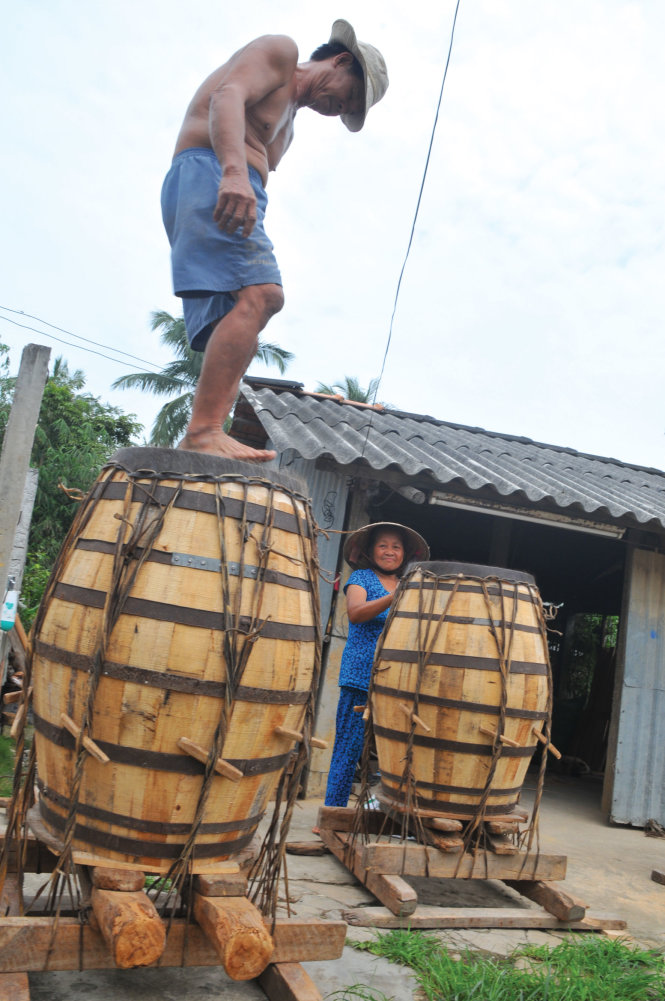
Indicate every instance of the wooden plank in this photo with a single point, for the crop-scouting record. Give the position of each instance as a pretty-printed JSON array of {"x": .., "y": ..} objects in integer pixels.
[
  {"x": 288, "y": 982},
  {"x": 502, "y": 844},
  {"x": 233, "y": 885},
  {"x": 14, "y": 987},
  {"x": 555, "y": 900},
  {"x": 117, "y": 879},
  {"x": 390, "y": 889},
  {"x": 658, "y": 876},
  {"x": 24, "y": 943},
  {"x": 476, "y": 917},
  {"x": 419, "y": 860}
]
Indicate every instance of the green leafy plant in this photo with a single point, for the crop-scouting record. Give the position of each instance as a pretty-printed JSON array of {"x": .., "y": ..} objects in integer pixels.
[{"x": 585, "y": 968}]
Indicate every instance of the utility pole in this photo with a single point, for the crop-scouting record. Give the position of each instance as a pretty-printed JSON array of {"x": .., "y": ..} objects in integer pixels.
[{"x": 17, "y": 446}]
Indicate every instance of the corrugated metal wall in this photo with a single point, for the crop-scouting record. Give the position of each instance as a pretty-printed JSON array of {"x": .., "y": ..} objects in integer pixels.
[
  {"x": 328, "y": 491},
  {"x": 638, "y": 747}
]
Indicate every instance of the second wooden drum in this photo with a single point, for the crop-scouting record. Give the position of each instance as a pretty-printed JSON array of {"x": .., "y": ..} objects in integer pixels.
[{"x": 464, "y": 651}]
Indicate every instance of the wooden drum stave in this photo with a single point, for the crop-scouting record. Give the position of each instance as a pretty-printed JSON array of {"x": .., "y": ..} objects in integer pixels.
[
  {"x": 186, "y": 601},
  {"x": 461, "y": 685}
]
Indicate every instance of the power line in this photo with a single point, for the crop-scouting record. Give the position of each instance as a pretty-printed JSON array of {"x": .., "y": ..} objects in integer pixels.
[
  {"x": 415, "y": 217},
  {"x": 53, "y": 326},
  {"x": 61, "y": 340}
]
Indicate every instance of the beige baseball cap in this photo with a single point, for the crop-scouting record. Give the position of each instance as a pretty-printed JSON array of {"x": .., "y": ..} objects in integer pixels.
[{"x": 374, "y": 69}]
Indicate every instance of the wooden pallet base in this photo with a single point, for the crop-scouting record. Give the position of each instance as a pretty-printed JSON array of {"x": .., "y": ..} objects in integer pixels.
[
  {"x": 383, "y": 863},
  {"x": 125, "y": 931}
]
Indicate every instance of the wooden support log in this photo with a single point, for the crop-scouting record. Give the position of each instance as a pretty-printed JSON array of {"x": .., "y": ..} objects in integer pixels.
[
  {"x": 10, "y": 697},
  {"x": 14, "y": 987},
  {"x": 237, "y": 930},
  {"x": 555, "y": 900},
  {"x": 288, "y": 982},
  {"x": 131, "y": 926},
  {"x": 658, "y": 876},
  {"x": 221, "y": 767}
]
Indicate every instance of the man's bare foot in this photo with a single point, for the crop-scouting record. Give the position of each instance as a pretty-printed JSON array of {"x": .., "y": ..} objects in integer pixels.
[{"x": 216, "y": 442}]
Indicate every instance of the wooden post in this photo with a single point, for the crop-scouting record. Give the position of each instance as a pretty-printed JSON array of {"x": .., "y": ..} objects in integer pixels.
[{"x": 17, "y": 446}]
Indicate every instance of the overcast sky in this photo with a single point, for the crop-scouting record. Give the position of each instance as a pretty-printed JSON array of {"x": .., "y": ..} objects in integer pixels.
[{"x": 534, "y": 296}]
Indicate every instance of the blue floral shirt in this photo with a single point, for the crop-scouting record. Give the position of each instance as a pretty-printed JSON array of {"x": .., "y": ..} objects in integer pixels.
[{"x": 358, "y": 655}]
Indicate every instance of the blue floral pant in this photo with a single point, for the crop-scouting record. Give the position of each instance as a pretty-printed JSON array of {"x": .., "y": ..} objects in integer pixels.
[{"x": 349, "y": 739}]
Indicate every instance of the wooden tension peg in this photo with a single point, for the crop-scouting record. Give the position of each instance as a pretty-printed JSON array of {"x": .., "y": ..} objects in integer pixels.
[
  {"x": 222, "y": 767},
  {"x": 543, "y": 740},
  {"x": 89, "y": 744},
  {"x": 413, "y": 716},
  {"x": 283, "y": 731},
  {"x": 503, "y": 739}
]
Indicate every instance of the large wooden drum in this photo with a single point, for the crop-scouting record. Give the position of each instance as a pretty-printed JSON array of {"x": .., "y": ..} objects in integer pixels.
[
  {"x": 182, "y": 617},
  {"x": 465, "y": 652}
]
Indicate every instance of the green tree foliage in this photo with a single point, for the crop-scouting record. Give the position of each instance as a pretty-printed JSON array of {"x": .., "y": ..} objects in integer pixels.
[
  {"x": 75, "y": 436},
  {"x": 350, "y": 389},
  {"x": 178, "y": 379}
]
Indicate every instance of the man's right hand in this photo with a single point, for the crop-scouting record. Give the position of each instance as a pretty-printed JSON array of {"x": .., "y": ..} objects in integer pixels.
[{"x": 236, "y": 205}]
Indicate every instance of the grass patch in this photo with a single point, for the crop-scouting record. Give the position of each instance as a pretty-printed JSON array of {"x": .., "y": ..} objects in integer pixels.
[
  {"x": 6, "y": 765},
  {"x": 581, "y": 968}
]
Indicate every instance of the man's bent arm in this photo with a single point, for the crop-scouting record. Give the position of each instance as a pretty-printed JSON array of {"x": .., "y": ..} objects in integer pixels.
[{"x": 251, "y": 75}]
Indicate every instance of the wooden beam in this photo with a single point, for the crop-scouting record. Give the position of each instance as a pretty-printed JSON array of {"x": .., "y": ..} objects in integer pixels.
[
  {"x": 419, "y": 860},
  {"x": 24, "y": 944},
  {"x": 288, "y": 982},
  {"x": 555, "y": 900},
  {"x": 389, "y": 888},
  {"x": 476, "y": 917},
  {"x": 14, "y": 987},
  {"x": 237, "y": 930},
  {"x": 131, "y": 926},
  {"x": 658, "y": 876}
]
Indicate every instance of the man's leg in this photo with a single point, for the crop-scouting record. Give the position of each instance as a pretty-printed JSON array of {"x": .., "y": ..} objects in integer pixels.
[{"x": 229, "y": 351}]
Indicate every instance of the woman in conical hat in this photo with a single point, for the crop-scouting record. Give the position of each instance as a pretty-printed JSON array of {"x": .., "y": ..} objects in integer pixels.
[{"x": 378, "y": 553}]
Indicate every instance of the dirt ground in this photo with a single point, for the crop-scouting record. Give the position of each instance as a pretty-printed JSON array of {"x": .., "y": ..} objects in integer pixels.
[{"x": 608, "y": 867}]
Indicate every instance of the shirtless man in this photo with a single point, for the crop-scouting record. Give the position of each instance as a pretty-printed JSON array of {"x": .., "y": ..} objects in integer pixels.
[{"x": 237, "y": 129}]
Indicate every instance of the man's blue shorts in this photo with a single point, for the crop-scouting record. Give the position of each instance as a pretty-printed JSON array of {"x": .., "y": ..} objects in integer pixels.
[{"x": 208, "y": 264}]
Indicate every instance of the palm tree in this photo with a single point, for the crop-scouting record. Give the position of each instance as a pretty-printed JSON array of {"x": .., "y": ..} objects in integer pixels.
[
  {"x": 180, "y": 377},
  {"x": 350, "y": 389}
]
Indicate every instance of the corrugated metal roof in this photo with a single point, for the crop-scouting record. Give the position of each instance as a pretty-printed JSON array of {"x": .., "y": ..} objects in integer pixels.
[{"x": 316, "y": 426}]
